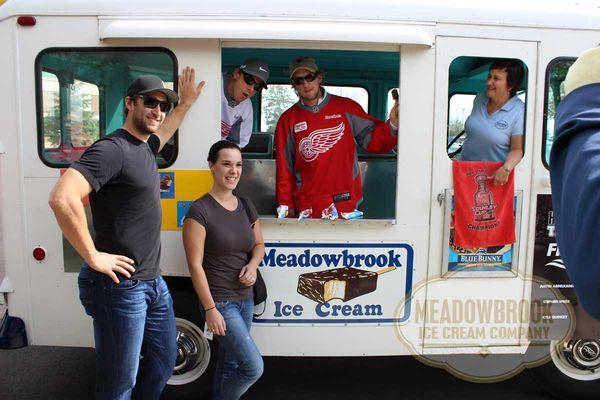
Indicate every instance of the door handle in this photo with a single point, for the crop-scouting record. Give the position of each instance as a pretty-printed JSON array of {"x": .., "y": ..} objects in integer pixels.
[{"x": 440, "y": 198}]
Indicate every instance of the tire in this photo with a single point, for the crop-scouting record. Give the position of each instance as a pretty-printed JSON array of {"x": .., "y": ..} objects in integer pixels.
[
  {"x": 573, "y": 371},
  {"x": 193, "y": 373}
]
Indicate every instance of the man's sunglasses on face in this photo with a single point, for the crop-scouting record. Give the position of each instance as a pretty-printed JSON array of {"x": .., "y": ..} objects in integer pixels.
[
  {"x": 152, "y": 102},
  {"x": 299, "y": 80},
  {"x": 250, "y": 80}
]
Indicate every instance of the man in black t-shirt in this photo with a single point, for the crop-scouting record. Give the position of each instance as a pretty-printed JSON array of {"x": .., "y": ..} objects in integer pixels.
[{"x": 120, "y": 285}]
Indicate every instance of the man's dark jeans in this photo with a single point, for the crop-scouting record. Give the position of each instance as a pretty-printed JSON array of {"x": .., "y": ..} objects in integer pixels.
[{"x": 130, "y": 319}]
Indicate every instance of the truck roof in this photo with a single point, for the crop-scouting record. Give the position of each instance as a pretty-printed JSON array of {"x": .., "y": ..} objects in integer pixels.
[{"x": 571, "y": 14}]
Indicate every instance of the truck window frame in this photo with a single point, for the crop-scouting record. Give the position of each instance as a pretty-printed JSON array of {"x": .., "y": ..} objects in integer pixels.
[
  {"x": 545, "y": 153},
  {"x": 102, "y": 111}
]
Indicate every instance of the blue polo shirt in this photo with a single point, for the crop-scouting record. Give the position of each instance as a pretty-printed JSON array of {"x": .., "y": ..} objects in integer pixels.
[{"x": 488, "y": 136}]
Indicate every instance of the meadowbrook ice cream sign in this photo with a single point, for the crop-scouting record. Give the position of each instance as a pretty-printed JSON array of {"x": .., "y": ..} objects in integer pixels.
[{"x": 349, "y": 283}]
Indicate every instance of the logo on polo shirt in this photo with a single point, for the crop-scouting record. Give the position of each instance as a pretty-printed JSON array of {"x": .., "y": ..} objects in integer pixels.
[{"x": 502, "y": 124}]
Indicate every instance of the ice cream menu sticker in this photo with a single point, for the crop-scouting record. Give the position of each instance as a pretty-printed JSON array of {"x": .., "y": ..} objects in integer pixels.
[
  {"x": 182, "y": 209},
  {"x": 336, "y": 282}
]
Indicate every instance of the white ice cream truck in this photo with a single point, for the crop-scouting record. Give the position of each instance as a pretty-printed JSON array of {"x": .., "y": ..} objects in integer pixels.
[{"x": 391, "y": 283}]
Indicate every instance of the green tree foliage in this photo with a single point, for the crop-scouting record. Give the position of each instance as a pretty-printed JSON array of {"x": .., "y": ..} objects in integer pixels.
[
  {"x": 558, "y": 73},
  {"x": 91, "y": 122},
  {"x": 82, "y": 123},
  {"x": 556, "y": 92},
  {"x": 275, "y": 101},
  {"x": 51, "y": 123},
  {"x": 455, "y": 127}
]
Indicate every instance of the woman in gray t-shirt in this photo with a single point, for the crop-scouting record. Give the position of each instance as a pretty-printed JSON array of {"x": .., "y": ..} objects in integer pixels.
[{"x": 224, "y": 245}]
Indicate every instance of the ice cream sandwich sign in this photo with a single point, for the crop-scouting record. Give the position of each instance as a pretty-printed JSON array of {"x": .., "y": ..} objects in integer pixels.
[{"x": 325, "y": 283}]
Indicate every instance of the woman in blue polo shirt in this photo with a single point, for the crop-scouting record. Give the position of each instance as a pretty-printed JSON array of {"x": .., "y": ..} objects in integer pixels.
[{"x": 495, "y": 127}]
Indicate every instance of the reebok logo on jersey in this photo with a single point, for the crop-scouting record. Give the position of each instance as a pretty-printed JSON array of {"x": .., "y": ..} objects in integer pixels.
[
  {"x": 300, "y": 126},
  {"x": 320, "y": 141},
  {"x": 333, "y": 116}
]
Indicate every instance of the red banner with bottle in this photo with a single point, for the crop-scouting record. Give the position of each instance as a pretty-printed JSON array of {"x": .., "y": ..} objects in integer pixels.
[{"x": 483, "y": 210}]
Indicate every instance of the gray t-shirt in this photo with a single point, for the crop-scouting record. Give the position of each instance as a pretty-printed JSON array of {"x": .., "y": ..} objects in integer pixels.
[
  {"x": 229, "y": 239},
  {"x": 125, "y": 199}
]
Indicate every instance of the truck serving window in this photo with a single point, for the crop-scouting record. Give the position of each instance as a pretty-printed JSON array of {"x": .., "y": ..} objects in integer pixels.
[
  {"x": 467, "y": 78},
  {"x": 280, "y": 97},
  {"x": 556, "y": 72},
  {"x": 366, "y": 77},
  {"x": 80, "y": 97}
]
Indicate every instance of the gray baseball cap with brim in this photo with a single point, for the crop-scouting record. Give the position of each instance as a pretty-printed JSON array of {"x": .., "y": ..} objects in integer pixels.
[
  {"x": 151, "y": 83},
  {"x": 257, "y": 68}
]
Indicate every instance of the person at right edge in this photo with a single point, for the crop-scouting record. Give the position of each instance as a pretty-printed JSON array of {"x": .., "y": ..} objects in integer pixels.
[
  {"x": 317, "y": 161},
  {"x": 575, "y": 178}
]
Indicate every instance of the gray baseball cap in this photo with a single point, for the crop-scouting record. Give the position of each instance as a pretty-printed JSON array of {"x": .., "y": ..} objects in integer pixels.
[
  {"x": 257, "y": 68},
  {"x": 151, "y": 83}
]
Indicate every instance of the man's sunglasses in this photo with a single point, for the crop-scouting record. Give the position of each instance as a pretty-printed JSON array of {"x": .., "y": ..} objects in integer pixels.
[
  {"x": 300, "y": 79},
  {"x": 152, "y": 102},
  {"x": 251, "y": 80}
]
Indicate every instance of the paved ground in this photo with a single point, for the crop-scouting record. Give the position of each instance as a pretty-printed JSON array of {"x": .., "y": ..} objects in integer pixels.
[{"x": 67, "y": 373}]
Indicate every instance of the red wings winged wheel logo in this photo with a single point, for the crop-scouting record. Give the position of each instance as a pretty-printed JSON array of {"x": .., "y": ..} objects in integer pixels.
[{"x": 320, "y": 141}]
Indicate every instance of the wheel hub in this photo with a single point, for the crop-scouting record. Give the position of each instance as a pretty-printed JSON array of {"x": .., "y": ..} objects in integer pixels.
[
  {"x": 193, "y": 353},
  {"x": 187, "y": 352},
  {"x": 583, "y": 354}
]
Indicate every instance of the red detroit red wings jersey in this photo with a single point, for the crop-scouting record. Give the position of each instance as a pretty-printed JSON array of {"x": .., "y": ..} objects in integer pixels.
[{"x": 317, "y": 161}]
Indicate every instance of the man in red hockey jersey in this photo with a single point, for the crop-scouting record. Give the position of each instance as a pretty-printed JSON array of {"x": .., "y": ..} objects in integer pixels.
[{"x": 317, "y": 162}]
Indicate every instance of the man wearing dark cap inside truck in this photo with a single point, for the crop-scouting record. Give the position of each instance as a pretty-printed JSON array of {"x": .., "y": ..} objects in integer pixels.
[
  {"x": 236, "y": 108},
  {"x": 317, "y": 162},
  {"x": 120, "y": 285}
]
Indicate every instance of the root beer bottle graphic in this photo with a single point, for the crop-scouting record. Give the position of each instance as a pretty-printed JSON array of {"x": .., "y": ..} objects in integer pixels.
[{"x": 483, "y": 201}]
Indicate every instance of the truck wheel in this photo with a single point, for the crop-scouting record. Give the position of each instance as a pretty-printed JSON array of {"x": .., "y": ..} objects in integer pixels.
[
  {"x": 193, "y": 372},
  {"x": 193, "y": 353},
  {"x": 573, "y": 371}
]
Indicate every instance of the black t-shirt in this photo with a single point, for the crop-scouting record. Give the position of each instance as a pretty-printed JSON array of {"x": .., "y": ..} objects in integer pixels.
[
  {"x": 125, "y": 199},
  {"x": 229, "y": 239}
]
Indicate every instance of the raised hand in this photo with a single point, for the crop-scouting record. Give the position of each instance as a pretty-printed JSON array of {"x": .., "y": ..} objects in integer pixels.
[{"x": 188, "y": 90}]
